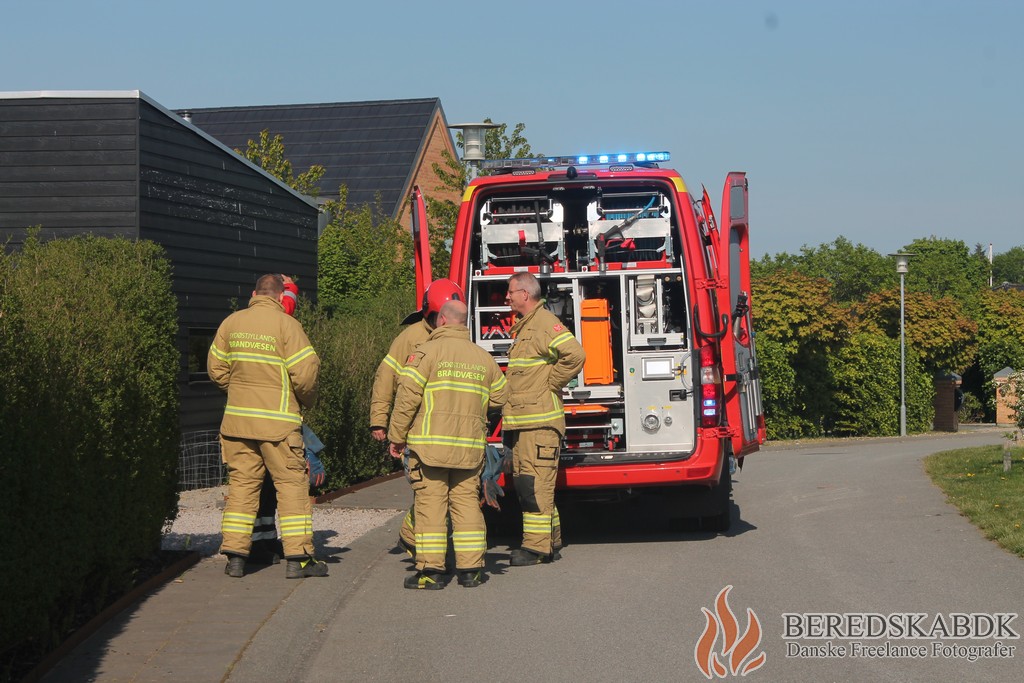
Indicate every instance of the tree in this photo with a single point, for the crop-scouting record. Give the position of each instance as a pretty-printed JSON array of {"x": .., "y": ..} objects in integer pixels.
[
  {"x": 798, "y": 327},
  {"x": 945, "y": 267},
  {"x": 453, "y": 179},
  {"x": 361, "y": 255},
  {"x": 1008, "y": 266},
  {"x": 268, "y": 154},
  {"x": 853, "y": 270},
  {"x": 866, "y": 390},
  {"x": 938, "y": 331}
]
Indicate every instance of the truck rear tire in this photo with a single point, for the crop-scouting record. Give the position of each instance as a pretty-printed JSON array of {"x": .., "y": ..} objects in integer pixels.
[{"x": 721, "y": 499}]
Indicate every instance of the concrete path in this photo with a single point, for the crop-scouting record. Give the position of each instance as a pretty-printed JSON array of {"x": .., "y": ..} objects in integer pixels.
[{"x": 825, "y": 526}]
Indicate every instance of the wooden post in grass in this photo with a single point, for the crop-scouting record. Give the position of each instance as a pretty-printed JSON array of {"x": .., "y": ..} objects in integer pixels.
[{"x": 1006, "y": 456}]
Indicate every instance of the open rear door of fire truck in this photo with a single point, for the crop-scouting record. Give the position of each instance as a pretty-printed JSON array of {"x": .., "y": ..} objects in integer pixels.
[
  {"x": 739, "y": 359},
  {"x": 421, "y": 251},
  {"x": 421, "y": 243}
]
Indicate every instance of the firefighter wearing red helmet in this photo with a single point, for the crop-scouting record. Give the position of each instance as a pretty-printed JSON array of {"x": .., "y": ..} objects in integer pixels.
[{"x": 385, "y": 382}]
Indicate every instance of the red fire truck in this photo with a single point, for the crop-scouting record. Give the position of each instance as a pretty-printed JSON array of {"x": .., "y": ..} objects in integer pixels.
[{"x": 669, "y": 399}]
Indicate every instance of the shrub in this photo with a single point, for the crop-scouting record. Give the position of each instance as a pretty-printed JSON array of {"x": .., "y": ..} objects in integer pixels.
[
  {"x": 88, "y": 366},
  {"x": 866, "y": 388},
  {"x": 351, "y": 342}
]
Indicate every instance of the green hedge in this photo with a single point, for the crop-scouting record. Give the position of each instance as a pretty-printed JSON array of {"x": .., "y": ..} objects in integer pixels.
[
  {"x": 351, "y": 342},
  {"x": 90, "y": 422},
  {"x": 866, "y": 388}
]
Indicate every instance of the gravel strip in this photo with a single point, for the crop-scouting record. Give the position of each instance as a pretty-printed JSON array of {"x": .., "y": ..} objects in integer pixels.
[{"x": 197, "y": 526}]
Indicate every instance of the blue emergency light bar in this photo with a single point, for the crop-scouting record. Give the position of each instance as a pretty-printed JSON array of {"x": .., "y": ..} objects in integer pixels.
[{"x": 576, "y": 160}]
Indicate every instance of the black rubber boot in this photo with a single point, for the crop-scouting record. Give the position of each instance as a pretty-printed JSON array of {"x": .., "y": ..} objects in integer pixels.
[
  {"x": 425, "y": 580},
  {"x": 470, "y": 578},
  {"x": 301, "y": 569},
  {"x": 235, "y": 568},
  {"x": 521, "y": 557}
]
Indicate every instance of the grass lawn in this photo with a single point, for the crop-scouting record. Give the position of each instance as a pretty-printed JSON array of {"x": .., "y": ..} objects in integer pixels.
[{"x": 974, "y": 481}]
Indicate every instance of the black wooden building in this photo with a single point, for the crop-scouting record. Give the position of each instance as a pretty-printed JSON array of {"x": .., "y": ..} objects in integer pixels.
[{"x": 120, "y": 164}]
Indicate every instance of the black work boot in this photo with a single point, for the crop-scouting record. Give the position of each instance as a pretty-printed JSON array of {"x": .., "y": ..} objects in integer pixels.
[
  {"x": 521, "y": 557},
  {"x": 235, "y": 568},
  {"x": 425, "y": 579},
  {"x": 470, "y": 578},
  {"x": 301, "y": 569}
]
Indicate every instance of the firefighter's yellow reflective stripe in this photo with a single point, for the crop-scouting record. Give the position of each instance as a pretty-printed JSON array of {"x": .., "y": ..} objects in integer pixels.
[
  {"x": 452, "y": 385},
  {"x": 560, "y": 339},
  {"x": 296, "y": 525},
  {"x": 410, "y": 518},
  {"x": 299, "y": 356},
  {"x": 499, "y": 383},
  {"x": 468, "y": 541},
  {"x": 530, "y": 362},
  {"x": 429, "y": 401},
  {"x": 283, "y": 405},
  {"x": 536, "y": 418},
  {"x": 414, "y": 375},
  {"x": 455, "y": 441},
  {"x": 555, "y": 519},
  {"x": 431, "y": 542},
  {"x": 217, "y": 353},
  {"x": 249, "y": 357},
  {"x": 392, "y": 363},
  {"x": 536, "y": 523},
  {"x": 237, "y": 522},
  {"x": 282, "y": 416}
]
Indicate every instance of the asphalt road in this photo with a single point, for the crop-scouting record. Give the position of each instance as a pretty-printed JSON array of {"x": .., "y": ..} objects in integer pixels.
[{"x": 832, "y": 527}]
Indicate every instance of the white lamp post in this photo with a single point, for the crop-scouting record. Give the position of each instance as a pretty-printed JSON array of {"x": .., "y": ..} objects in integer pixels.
[
  {"x": 473, "y": 143},
  {"x": 901, "y": 267}
]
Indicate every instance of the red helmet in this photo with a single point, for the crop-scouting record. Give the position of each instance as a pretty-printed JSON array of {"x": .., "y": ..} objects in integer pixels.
[{"x": 438, "y": 293}]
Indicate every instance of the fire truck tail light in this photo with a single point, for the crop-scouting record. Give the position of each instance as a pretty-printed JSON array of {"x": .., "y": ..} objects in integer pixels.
[{"x": 711, "y": 388}]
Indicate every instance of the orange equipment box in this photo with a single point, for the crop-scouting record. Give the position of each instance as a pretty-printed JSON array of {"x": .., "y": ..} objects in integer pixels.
[{"x": 596, "y": 330}]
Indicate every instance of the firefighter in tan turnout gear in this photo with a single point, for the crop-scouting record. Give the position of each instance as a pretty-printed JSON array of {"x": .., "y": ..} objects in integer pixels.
[
  {"x": 544, "y": 357},
  {"x": 385, "y": 382},
  {"x": 263, "y": 359},
  {"x": 440, "y": 413}
]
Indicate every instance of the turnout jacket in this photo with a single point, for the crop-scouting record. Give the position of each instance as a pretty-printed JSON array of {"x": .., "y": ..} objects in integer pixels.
[
  {"x": 543, "y": 358},
  {"x": 443, "y": 396},
  {"x": 385, "y": 382},
  {"x": 263, "y": 359}
]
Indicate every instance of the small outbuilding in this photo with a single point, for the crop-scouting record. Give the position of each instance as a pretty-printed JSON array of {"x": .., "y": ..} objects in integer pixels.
[{"x": 1005, "y": 415}]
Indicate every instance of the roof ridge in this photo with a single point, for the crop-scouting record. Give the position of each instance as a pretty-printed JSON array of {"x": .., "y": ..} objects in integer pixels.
[{"x": 310, "y": 105}]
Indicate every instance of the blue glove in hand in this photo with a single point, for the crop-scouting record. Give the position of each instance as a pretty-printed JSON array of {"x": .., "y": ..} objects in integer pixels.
[
  {"x": 317, "y": 474},
  {"x": 493, "y": 463},
  {"x": 315, "y": 468}
]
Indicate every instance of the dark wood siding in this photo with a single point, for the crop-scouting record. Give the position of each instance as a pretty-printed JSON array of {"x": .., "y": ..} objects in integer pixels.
[
  {"x": 69, "y": 165},
  {"x": 223, "y": 224}
]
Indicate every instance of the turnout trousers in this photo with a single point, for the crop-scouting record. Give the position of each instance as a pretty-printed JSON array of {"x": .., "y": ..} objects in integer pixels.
[
  {"x": 408, "y": 531},
  {"x": 534, "y": 468},
  {"x": 438, "y": 492},
  {"x": 248, "y": 461}
]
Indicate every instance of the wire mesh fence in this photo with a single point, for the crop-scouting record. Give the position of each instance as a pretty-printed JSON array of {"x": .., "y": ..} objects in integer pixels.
[{"x": 199, "y": 462}]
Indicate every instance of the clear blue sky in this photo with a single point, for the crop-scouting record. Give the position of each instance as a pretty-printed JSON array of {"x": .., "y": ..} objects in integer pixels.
[{"x": 882, "y": 121}]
